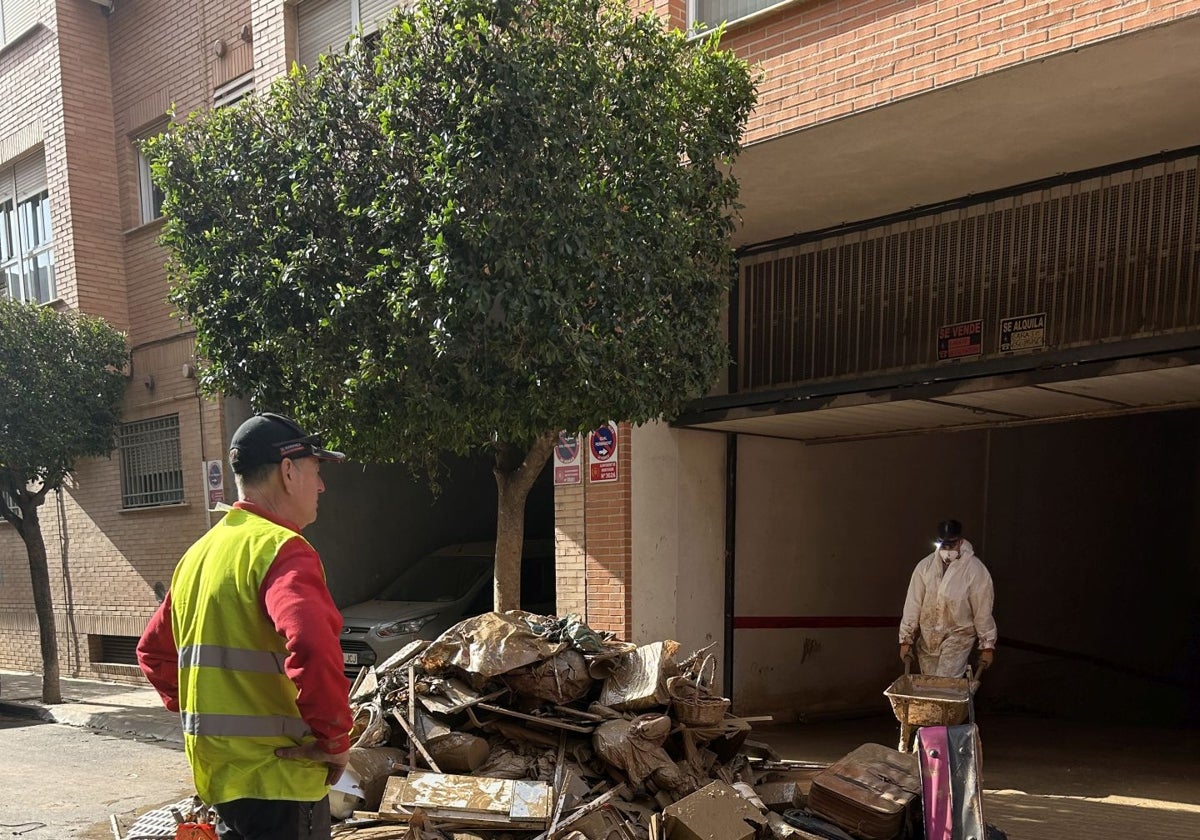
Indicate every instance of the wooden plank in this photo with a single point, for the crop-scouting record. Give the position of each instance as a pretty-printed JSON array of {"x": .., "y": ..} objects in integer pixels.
[
  {"x": 413, "y": 740},
  {"x": 469, "y": 801},
  {"x": 412, "y": 717}
]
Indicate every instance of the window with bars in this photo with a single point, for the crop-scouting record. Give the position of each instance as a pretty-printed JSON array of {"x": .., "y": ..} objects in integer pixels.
[
  {"x": 151, "y": 468},
  {"x": 704, "y": 15}
]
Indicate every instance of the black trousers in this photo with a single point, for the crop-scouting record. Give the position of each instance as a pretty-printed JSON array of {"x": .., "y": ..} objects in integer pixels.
[{"x": 268, "y": 819}]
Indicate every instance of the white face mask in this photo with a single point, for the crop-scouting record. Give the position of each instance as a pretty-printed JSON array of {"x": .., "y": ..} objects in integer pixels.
[{"x": 947, "y": 554}]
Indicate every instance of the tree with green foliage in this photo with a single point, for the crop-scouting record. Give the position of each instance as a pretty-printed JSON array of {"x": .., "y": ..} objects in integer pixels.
[
  {"x": 61, "y": 387},
  {"x": 491, "y": 223}
]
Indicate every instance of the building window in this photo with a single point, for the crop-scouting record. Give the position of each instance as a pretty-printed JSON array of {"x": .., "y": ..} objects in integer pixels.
[
  {"x": 151, "y": 470},
  {"x": 326, "y": 25},
  {"x": 9, "y": 501},
  {"x": 150, "y": 197},
  {"x": 26, "y": 245},
  {"x": 708, "y": 14},
  {"x": 16, "y": 18}
]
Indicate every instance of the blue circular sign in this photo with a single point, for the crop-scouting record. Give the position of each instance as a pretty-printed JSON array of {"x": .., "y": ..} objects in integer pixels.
[{"x": 604, "y": 442}]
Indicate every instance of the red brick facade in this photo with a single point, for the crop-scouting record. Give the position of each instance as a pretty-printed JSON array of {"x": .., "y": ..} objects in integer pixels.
[
  {"x": 824, "y": 60},
  {"x": 593, "y": 545},
  {"x": 78, "y": 90}
]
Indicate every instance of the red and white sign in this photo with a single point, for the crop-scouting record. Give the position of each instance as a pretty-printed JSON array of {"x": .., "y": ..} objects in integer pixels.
[
  {"x": 568, "y": 459},
  {"x": 602, "y": 454}
]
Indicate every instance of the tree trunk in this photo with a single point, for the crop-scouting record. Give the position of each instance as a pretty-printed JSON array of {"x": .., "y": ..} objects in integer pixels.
[
  {"x": 514, "y": 478},
  {"x": 43, "y": 603}
]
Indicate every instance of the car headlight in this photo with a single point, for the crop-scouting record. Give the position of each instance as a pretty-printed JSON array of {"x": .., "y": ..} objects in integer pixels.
[{"x": 402, "y": 628}]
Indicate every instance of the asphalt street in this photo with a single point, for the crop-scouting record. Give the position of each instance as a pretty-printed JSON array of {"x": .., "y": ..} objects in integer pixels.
[{"x": 59, "y": 782}]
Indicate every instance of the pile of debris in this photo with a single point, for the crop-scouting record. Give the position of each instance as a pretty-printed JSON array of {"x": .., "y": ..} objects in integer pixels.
[{"x": 518, "y": 725}]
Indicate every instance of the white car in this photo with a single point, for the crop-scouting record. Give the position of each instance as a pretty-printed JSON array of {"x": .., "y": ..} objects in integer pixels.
[{"x": 436, "y": 592}]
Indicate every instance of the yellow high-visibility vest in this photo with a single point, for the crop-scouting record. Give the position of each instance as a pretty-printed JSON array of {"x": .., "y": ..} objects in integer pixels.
[{"x": 237, "y": 704}]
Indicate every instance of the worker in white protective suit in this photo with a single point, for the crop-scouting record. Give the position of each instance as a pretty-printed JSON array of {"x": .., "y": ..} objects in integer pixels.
[{"x": 948, "y": 610}]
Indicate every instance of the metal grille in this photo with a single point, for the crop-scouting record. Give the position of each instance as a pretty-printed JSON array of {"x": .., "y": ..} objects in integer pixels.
[
  {"x": 150, "y": 465},
  {"x": 1109, "y": 258},
  {"x": 116, "y": 650}
]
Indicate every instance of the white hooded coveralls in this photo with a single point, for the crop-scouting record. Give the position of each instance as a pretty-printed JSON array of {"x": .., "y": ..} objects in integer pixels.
[{"x": 951, "y": 605}]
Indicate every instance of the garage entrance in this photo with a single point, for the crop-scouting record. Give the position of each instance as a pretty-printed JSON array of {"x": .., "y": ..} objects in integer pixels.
[
  {"x": 1027, "y": 362},
  {"x": 1088, "y": 527}
]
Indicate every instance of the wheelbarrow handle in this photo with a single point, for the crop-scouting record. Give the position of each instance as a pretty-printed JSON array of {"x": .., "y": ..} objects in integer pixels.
[{"x": 908, "y": 661}]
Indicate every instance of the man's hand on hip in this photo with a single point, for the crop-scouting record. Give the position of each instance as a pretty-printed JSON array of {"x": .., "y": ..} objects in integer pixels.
[{"x": 336, "y": 762}]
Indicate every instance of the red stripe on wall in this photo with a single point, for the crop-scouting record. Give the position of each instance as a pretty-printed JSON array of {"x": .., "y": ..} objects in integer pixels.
[{"x": 789, "y": 622}]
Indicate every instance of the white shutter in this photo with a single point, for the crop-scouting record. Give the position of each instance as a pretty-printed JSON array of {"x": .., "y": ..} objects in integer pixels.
[
  {"x": 374, "y": 12},
  {"x": 19, "y": 15},
  {"x": 31, "y": 175},
  {"x": 323, "y": 26}
]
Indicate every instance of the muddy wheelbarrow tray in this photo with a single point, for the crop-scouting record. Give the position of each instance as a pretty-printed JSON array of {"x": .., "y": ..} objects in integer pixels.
[{"x": 926, "y": 700}]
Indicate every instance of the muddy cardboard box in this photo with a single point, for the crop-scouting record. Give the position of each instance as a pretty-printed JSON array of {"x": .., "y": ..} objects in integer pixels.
[{"x": 715, "y": 812}]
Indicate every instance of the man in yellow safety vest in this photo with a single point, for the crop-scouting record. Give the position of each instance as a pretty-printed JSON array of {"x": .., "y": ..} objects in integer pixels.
[{"x": 245, "y": 646}]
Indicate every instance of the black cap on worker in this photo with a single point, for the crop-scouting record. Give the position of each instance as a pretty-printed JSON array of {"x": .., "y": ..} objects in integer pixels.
[
  {"x": 269, "y": 438},
  {"x": 949, "y": 530}
]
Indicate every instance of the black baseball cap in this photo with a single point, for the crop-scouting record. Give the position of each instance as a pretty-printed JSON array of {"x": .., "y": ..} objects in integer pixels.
[{"x": 269, "y": 438}]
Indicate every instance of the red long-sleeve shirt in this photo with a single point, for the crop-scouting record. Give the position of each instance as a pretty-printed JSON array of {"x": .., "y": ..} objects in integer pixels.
[{"x": 294, "y": 596}]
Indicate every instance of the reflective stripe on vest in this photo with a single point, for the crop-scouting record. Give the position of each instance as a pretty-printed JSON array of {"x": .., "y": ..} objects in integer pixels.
[
  {"x": 243, "y": 726},
  {"x": 230, "y": 658}
]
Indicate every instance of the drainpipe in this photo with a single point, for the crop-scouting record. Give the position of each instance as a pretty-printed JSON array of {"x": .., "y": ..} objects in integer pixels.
[{"x": 731, "y": 441}]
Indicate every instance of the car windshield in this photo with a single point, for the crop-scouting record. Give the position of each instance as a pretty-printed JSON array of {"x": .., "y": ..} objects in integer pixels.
[{"x": 437, "y": 578}]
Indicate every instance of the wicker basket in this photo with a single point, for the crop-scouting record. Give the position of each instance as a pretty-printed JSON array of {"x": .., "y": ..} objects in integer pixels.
[{"x": 691, "y": 702}]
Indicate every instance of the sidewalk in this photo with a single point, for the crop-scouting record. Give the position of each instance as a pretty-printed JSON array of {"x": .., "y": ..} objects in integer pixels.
[{"x": 104, "y": 706}]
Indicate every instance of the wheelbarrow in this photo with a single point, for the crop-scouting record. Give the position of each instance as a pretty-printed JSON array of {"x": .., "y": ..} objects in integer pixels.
[{"x": 926, "y": 700}]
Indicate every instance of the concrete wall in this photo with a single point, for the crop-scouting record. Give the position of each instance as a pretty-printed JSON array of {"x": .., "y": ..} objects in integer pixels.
[
  {"x": 1089, "y": 529},
  {"x": 678, "y": 534},
  {"x": 831, "y": 533}
]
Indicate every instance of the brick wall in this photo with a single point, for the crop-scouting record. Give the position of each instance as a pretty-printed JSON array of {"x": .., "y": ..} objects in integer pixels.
[
  {"x": 605, "y": 547},
  {"x": 823, "y": 60},
  {"x": 593, "y": 546},
  {"x": 163, "y": 56},
  {"x": 104, "y": 561},
  {"x": 274, "y": 39},
  {"x": 570, "y": 552},
  {"x": 91, "y": 223}
]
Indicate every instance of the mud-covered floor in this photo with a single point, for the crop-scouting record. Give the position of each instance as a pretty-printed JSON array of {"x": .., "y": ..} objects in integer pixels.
[{"x": 1051, "y": 779}]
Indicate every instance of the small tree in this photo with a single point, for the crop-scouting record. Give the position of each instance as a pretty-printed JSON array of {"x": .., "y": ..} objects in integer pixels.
[
  {"x": 498, "y": 221},
  {"x": 60, "y": 400}
]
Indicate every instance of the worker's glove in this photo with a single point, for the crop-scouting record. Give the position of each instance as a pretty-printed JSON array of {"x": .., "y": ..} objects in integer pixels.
[
  {"x": 985, "y": 658},
  {"x": 905, "y": 653},
  {"x": 336, "y": 762}
]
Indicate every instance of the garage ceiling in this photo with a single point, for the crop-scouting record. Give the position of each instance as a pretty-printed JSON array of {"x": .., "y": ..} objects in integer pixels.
[{"x": 1123, "y": 387}]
